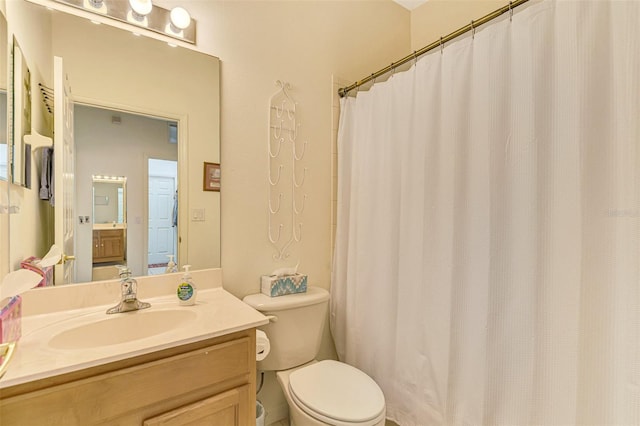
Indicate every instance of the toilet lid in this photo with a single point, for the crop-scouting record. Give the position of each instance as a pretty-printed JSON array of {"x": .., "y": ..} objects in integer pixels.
[{"x": 337, "y": 391}]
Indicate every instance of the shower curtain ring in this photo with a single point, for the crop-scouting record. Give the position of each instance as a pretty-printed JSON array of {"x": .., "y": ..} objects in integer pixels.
[
  {"x": 510, "y": 11},
  {"x": 473, "y": 31},
  {"x": 373, "y": 78},
  {"x": 415, "y": 58},
  {"x": 441, "y": 46}
]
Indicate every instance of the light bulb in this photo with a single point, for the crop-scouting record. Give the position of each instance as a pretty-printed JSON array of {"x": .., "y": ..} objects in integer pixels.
[
  {"x": 180, "y": 18},
  {"x": 141, "y": 7}
]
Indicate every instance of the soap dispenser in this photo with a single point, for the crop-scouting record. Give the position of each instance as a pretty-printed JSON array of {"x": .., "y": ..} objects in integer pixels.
[
  {"x": 171, "y": 265},
  {"x": 187, "y": 289}
]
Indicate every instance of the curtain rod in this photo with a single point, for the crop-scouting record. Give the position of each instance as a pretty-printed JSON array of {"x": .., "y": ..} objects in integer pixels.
[{"x": 438, "y": 43}]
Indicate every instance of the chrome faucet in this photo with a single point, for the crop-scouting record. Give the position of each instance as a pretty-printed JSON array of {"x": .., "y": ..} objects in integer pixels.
[{"x": 129, "y": 300}]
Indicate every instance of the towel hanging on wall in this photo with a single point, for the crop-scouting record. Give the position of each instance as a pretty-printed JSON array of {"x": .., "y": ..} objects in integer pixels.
[{"x": 46, "y": 176}]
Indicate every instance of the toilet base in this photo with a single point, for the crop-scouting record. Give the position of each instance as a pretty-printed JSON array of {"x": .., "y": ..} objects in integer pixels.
[{"x": 297, "y": 417}]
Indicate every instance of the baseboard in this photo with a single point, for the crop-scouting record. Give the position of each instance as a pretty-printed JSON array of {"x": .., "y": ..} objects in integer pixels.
[{"x": 277, "y": 413}]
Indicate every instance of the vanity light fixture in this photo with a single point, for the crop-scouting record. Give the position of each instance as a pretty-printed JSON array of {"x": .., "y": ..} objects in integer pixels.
[{"x": 176, "y": 23}]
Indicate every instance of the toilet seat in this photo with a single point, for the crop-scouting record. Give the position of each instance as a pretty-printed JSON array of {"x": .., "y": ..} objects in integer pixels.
[{"x": 337, "y": 394}]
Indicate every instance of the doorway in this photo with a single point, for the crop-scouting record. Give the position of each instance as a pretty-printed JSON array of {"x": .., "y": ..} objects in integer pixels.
[
  {"x": 112, "y": 142},
  {"x": 162, "y": 214}
]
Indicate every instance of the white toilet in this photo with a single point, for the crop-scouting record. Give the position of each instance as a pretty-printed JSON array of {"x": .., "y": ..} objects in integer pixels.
[{"x": 318, "y": 393}]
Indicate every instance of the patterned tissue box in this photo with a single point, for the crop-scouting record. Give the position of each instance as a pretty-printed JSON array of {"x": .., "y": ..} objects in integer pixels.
[
  {"x": 278, "y": 286},
  {"x": 10, "y": 319}
]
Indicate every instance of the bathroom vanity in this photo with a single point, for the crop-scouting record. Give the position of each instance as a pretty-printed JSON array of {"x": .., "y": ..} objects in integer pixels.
[{"x": 166, "y": 365}]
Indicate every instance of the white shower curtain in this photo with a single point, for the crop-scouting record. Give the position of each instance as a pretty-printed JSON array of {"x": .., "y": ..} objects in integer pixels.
[{"x": 486, "y": 267}]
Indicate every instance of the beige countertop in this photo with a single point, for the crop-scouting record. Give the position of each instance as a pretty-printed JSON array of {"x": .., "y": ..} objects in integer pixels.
[
  {"x": 100, "y": 226},
  {"x": 216, "y": 313}
]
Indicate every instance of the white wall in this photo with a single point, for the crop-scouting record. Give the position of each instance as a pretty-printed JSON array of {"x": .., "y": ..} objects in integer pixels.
[{"x": 103, "y": 148}]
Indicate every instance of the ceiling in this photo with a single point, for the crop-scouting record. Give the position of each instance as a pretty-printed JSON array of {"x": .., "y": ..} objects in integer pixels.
[{"x": 410, "y": 4}]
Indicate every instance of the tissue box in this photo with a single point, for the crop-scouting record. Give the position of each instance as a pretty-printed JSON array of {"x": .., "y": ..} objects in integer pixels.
[
  {"x": 10, "y": 319},
  {"x": 278, "y": 286},
  {"x": 46, "y": 273}
]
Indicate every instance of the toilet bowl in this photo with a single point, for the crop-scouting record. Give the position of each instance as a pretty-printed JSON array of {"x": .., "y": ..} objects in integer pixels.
[
  {"x": 318, "y": 393},
  {"x": 332, "y": 393}
]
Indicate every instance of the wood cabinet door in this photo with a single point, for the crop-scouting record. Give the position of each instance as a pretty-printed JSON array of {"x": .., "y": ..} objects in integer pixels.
[
  {"x": 112, "y": 244},
  {"x": 226, "y": 409},
  {"x": 108, "y": 245},
  {"x": 97, "y": 253}
]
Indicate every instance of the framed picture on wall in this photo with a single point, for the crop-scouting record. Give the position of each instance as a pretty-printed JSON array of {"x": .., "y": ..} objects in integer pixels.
[{"x": 211, "y": 177}]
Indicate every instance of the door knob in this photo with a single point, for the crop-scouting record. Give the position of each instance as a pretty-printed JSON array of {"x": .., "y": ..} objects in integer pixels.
[{"x": 64, "y": 259}]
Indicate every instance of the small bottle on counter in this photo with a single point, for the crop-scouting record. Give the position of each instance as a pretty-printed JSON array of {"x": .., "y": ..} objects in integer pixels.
[
  {"x": 187, "y": 289},
  {"x": 171, "y": 265}
]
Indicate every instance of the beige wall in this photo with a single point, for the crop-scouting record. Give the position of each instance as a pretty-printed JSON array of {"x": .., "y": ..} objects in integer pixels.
[{"x": 304, "y": 43}]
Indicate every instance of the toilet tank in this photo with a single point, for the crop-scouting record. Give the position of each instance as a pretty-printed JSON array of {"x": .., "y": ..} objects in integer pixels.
[{"x": 296, "y": 331}]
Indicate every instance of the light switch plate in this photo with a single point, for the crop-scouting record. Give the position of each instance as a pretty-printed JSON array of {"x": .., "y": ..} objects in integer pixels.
[{"x": 197, "y": 215}]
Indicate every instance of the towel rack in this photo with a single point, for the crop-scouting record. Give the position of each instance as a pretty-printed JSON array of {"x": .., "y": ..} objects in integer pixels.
[
  {"x": 38, "y": 141},
  {"x": 286, "y": 176}
]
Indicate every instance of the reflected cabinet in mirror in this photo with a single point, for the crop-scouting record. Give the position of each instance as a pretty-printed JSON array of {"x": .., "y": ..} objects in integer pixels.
[{"x": 142, "y": 110}]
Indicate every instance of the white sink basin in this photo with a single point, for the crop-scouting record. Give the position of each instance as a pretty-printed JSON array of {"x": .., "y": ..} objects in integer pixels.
[{"x": 122, "y": 328}]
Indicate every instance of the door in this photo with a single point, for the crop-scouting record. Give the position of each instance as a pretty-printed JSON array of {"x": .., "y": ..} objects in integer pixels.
[
  {"x": 64, "y": 174},
  {"x": 162, "y": 233}
]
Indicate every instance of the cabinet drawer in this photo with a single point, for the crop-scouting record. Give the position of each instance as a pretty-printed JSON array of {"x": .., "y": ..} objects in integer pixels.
[
  {"x": 105, "y": 397},
  {"x": 228, "y": 408}
]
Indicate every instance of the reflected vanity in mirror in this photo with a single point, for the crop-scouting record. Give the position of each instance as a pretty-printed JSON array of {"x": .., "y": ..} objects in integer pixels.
[{"x": 109, "y": 225}]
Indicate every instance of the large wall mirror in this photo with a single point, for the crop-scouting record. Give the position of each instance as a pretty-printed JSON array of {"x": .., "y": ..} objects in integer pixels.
[
  {"x": 115, "y": 75},
  {"x": 4, "y": 57}
]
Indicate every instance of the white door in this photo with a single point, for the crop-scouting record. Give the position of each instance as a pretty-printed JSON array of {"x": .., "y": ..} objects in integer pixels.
[
  {"x": 64, "y": 174},
  {"x": 162, "y": 233}
]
